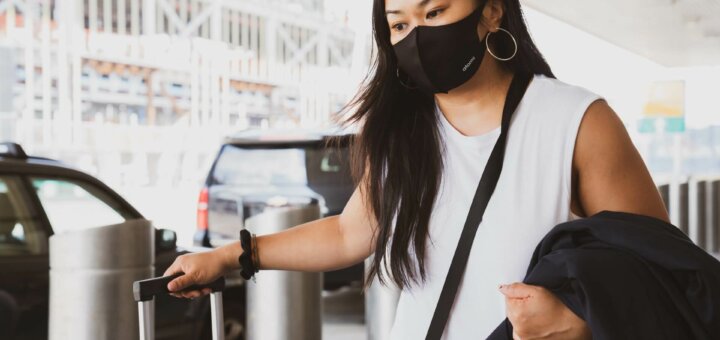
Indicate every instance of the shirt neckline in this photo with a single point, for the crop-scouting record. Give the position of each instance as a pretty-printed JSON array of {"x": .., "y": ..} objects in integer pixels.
[{"x": 483, "y": 138}]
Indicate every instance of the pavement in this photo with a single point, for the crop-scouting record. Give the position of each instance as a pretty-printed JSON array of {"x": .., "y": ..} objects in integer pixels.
[{"x": 344, "y": 314}]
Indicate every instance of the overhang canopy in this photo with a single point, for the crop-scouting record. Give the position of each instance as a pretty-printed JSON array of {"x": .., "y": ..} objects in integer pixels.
[{"x": 669, "y": 32}]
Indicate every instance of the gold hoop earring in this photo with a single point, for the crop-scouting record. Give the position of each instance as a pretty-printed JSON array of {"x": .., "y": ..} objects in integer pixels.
[{"x": 487, "y": 45}]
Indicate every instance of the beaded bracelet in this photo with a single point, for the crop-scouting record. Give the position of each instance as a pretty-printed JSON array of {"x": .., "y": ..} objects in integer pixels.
[
  {"x": 247, "y": 264},
  {"x": 256, "y": 257}
]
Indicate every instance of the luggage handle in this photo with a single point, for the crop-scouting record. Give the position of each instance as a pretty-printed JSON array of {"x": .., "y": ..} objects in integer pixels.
[{"x": 144, "y": 292}]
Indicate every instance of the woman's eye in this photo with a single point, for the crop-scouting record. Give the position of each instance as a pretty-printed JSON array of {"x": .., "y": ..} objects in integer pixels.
[
  {"x": 398, "y": 27},
  {"x": 433, "y": 13}
]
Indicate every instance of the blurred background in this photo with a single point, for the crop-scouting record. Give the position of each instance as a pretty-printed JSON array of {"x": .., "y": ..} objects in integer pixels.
[{"x": 174, "y": 104}]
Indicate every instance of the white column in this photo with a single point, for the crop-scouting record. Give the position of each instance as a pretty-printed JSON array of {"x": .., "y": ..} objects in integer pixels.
[
  {"x": 270, "y": 52},
  {"x": 121, "y": 20},
  {"x": 107, "y": 16},
  {"x": 225, "y": 76},
  {"x": 194, "y": 88},
  {"x": 10, "y": 19},
  {"x": 78, "y": 46},
  {"x": 134, "y": 17},
  {"x": 28, "y": 136},
  {"x": 92, "y": 16},
  {"x": 216, "y": 22},
  {"x": 46, "y": 93},
  {"x": 66, "y": 11},
  {"x": 149, "y": 9}
]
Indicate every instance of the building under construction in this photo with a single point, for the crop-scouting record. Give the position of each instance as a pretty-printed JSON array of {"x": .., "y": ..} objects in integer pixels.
[{"x": 123, "y": 87}]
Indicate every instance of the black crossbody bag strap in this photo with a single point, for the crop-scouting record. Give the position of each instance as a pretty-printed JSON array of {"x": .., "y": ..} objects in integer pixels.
[{"x": 485, "y": 189}]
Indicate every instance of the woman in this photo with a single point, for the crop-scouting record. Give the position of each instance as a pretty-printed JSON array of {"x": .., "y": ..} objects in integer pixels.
[{"x": 430, "y": 117}]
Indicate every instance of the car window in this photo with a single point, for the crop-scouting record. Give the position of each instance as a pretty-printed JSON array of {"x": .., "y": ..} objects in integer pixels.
[
  {"x": 73, "y": 205},
  {"x": 20, "y": 229},
  {"x": 292, "y": 166},
  {"x": 260, "y": 167},
  {"x": 328, "y": 166}
]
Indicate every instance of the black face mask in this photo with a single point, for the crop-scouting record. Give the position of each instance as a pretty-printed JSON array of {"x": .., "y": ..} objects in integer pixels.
[{"x": 441, "y": 58}]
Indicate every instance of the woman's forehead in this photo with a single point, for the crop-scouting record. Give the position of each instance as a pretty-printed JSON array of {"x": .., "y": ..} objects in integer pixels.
[
  {"x": 390, "y": 4},
  {"x": 407, "y": 5},
  {"x": 403, "y": 6}
]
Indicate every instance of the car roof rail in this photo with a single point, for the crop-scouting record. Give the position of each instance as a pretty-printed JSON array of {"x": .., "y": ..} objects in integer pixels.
[{"x": 12, "y": 150}]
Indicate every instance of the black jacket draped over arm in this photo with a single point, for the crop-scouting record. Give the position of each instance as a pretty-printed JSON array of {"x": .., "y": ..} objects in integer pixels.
[{"x": 629, "y": 277}]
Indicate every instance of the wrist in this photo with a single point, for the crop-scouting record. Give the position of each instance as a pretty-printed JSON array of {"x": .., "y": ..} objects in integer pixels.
[
  {"x": 576, "y": 328},
  {"x": 229, "y": 254}
]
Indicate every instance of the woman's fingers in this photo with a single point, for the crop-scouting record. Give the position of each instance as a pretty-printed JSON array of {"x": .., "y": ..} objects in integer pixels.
[
  {"x": 517, "y": 290},
  {"x": 195, "y": 269},
  {"x": 534, "y": 312},
  {"x": 181, "y": 267},
  {"x": 191, "y": 294},
  {"x": 519, "y": 305},
  {"x": 181, "y": 282},
  {"x": 175, "y": 267}
]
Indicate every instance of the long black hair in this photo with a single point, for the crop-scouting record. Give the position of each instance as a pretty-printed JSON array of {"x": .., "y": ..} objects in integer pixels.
[{"x": 396, "y": 157}]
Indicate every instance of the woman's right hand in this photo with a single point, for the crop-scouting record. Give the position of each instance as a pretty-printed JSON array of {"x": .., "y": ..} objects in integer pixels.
[{"x": 198, "y": 269}]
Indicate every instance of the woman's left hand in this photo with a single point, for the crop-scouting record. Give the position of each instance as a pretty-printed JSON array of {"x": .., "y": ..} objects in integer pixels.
[{"x": 536, "y": 313}]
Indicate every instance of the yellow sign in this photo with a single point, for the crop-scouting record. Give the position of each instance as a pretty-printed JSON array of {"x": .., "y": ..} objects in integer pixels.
[{"x": 665, "y": 99}]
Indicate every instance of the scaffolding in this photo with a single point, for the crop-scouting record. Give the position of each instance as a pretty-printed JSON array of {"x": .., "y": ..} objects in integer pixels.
[{"x": 111, "y": 84}]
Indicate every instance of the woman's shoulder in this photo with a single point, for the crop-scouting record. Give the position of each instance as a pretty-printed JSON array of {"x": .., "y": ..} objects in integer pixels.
[
  {"x": 560, "y": 99},
  {"x": 553, "y": 88}
]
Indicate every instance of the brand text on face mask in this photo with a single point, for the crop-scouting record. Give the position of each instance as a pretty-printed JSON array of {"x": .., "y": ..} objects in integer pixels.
[{"x": 468, "y": 64}]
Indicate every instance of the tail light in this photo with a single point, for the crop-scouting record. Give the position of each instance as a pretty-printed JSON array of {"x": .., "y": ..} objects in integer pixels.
[{"x": 202, "y": 210}]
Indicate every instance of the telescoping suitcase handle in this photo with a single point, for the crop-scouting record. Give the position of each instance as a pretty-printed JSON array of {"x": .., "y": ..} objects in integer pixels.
[{"x": 144, "y": 292}]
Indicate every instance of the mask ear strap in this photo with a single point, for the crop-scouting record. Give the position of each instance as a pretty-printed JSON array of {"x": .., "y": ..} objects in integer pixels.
[{"x": 397, "y": 73}]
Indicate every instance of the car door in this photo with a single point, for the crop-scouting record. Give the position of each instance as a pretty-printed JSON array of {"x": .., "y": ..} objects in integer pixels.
[
  {"x": 72, "y": 205},
  {"x": 23, "y": 263}
]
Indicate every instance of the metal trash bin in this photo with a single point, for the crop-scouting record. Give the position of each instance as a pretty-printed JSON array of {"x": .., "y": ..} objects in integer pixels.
[
  {"x": 284, "y": 305},
  {"x": 380, "y": 306},
  {"x": 91, "y": 272}
]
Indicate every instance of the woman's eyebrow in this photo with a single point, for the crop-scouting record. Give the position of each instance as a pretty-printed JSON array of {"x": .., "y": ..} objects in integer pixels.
[{"x": 422, "y": 3}]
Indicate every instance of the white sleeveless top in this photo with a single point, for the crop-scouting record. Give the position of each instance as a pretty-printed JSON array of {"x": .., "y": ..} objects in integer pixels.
[{"x": 531, "y": 197}]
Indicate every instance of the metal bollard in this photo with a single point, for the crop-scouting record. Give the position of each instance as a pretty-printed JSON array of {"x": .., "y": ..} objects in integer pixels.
[
  {"x": 91, "y": 272},
  {"x": 284, "y": 305},
  {"x": 380, "y": 306},
  {"x": 713, "y": 223},
  {"x": 697, "y": 205},
  {"x": 664, "y": 190},
  {"x": 679, "y": 210}
]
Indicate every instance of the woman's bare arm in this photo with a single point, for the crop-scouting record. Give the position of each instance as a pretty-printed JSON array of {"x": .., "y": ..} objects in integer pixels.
[
  {"x": 610, "y": 173},
  {"x": 325, "y": 244}
]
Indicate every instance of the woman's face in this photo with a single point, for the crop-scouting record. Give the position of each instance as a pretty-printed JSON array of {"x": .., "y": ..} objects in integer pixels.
[{"x": 404, "y": 15}]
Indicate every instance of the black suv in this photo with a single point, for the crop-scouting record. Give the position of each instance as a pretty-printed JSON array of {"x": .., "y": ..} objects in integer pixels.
[
  {"x": 40, "y": 197},
  {"x": 257, "y": 168}
]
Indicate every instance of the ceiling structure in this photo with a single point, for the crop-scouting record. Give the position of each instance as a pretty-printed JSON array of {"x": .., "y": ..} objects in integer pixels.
[{"x": 674, "y": 33}]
